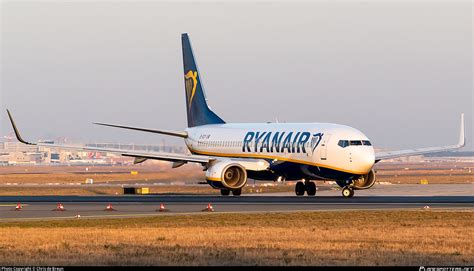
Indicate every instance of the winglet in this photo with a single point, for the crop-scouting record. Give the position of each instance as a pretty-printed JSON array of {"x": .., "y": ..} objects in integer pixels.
[
  {"x": 17, "y": 134},
  {"x": 462, "y": 135}
]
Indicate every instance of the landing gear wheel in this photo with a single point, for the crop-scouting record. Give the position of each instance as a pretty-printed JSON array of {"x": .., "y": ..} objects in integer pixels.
[
  {"x": 347, "y": 192},
  {"x": 225, "y": 192},
  {"x": 237, "y": 192},
  {"x": 299, "y": 189},
  {"x": 280, "y": 179},
  {"x": 310, "y": 188}
]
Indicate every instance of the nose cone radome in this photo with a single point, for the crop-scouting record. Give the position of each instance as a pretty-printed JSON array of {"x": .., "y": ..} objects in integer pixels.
[{"x": 365, "y": 159}]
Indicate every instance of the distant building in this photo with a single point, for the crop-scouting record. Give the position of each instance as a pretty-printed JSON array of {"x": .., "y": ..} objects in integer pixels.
[{"x": 12, "y": 153}]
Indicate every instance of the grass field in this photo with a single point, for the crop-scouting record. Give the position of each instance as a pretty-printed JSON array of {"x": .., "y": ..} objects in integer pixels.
[
  {"x": 100, "y": 174},
  {"x": 434, "y": 172},
  {"x": 312, "y": 238},
  {"x": 166, "y": 189},
  {"x": 439, "y": 172},
  {"x": 176, "y": 180}
]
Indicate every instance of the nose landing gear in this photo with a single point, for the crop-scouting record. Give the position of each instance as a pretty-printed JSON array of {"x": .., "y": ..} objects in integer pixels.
[
  {"x": 306, "y": 186},
  {"x": 347, "y": 192}
]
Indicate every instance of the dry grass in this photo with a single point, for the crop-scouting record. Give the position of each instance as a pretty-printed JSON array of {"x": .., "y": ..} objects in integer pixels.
[
  {"x": 100, "y": 174},
  {"x": 97, "y": 190},
  {"x": 436, "y": 173},
  {"x": 315, "y": 238},
  {"x": 117, "y": 190},
  {"x": 432, "y": 179},
  {"x": 66, "y": 178},
  {"x": 29, "y": 176},
  {"x": 441, "y": 172}
]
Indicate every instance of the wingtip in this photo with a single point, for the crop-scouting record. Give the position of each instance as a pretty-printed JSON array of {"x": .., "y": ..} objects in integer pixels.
[
  {"x": 462, "y": 133},
  {"x": 15, "y": 129}
]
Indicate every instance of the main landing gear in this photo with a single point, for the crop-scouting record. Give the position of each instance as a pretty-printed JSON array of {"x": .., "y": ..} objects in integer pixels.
[
  {"x": 226, "y": 192},
  {"x": 306, "y": 186}
]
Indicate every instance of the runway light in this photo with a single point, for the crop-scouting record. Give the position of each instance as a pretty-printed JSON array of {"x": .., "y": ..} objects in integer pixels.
[
  {"x": 209, "y": 208},
  {"x": 78, "y": 216},
  {"x": 60, "y": 207},
  {"x": 109, "y": 207},
  {"x": 163, "y": 208},
  {"x": 18, "y": 207},
  {"x": 426, "y": 207}
]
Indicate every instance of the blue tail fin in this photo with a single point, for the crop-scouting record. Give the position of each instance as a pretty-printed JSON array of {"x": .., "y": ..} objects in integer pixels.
[{"x": 198, "y": 111}]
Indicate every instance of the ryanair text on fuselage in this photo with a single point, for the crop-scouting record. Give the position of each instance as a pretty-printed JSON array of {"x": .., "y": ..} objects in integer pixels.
[{"x": 291, "y": 142}]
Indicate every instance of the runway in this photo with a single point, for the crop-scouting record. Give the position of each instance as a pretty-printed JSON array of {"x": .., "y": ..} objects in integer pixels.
[
  {"x": 41, "y": 208},
  {"x": 387, "y": 197}
]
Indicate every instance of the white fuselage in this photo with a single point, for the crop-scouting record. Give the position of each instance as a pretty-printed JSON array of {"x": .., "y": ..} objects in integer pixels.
[{"x": 322, "y": 145}]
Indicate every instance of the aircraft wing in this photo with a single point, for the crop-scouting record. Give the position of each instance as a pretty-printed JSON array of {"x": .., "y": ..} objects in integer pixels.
[
  {"x": 140, "y": 156},
  {"x": 165, "y": 132},
  {"x": 401, "y": 153},
  {"x": 171, "y": 157}
]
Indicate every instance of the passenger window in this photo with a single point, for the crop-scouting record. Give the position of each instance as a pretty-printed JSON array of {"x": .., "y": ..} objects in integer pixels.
[{"x": 343, "y": 143}]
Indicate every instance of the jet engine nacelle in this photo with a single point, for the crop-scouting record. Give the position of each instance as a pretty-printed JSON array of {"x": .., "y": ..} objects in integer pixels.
[
  {"x": 365, "y": 181},
  {"x": 362, "y": 182},
  {"x": 230, "y": 174}
]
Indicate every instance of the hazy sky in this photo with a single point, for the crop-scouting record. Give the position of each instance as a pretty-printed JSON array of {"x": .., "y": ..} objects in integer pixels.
[{"x": 401, "y": 72}]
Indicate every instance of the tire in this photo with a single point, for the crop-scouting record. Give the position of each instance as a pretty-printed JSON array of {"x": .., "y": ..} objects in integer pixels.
[
  {"x": 225, "y": 192},
  {"x": 310, "y": 188},
  {"x": 237, "y": 192},
  {"x": 347, "y": 192},
  {"x": 299, "y": 189}
]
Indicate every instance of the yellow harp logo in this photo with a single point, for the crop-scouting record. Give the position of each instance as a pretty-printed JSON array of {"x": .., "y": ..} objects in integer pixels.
[{"x": 190, "y": 80}]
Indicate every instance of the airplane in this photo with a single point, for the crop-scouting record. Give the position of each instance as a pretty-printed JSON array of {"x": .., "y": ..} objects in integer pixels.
[{"x": 232, "y": 153}]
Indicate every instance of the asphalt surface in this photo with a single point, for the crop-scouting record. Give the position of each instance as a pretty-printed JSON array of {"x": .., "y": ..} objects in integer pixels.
[
  {"x": 43, "y": 208},
  {"x": 381, "y": 197},
  {"x": 269, "y": 199}
]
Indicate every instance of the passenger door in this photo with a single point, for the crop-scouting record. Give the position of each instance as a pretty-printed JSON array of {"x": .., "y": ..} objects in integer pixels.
[{"x": 324, "y": 147}]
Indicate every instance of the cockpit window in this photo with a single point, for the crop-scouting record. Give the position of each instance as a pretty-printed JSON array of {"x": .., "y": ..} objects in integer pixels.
[
  {"x": 355, "y": 142},
  {"x": 343, "y": 143}
]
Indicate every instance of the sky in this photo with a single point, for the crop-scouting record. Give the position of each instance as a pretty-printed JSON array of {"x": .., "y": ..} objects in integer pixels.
[{"x": 399, "y": 71}]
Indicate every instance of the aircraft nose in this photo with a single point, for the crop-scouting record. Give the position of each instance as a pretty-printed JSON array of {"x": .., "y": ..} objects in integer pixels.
[{"x": 366, "y": 159}]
